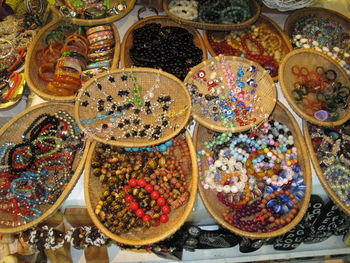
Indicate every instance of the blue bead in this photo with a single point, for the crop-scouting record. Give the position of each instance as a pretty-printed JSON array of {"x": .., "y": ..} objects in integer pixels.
[
  {"x": 163, "y": 148},
  {"x": 112, "y": 120},
  {"x": 157, "y": 148},
  {"x": 119, "y": 114},
  {"x": 169, "y": 143},
  {"x": 149, "y": 149},
  {"x": 135, "y": 149},
  {"x": 127, "y": 149},
  {"x": 215, "y": 119},
  {"x": 83, "y": 122},
  {"x": 90, "y": 121},
  {"x": 99, "y": 115}
]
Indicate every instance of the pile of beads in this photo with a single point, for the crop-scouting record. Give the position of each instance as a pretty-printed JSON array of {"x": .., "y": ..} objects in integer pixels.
[
  {"x": 332, "y": 148},
  {"x": 168, "y": 48},
  {"x": 214, "y": 12},
  {"x": 232, "y": 97},
  {"x": 85, "y": 236},
  {"x": 36, "y": 171},
  {"x": 319, "y": 93},
  {"x": 44, "y": 237},
  {"x": 140, "y": 188},
  {"x": 256, "y": 175},
  {"x": 258, "y": 43}
]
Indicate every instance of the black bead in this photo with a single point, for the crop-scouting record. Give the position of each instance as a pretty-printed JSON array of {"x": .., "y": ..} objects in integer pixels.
[
  {"x": 148, "y": 111},
  {"x": 87, "y": 94},
  {"x": 126, "y": 121},
  {"x": 134, "y": 133},
  {"x": 104, "y": 126},
  {"x": 127, "y": 135},
  {"x": 120, "y": 125},
  {"x": 124, "y": 77},
  {"x": 136, "y": 122},
  {"x": 113, "y": 138},
  {"x": 99, "y": 86},
  {"x": 120, "y": 108},
  {"x": 85, "y": 103},
  {"x": 165, "y": 123},
  {"x": 101, "y": 102},
  {"x": 111, "y": 79},
  {"x": 109, "y": 98},
  {"x": 147, "y": 126},
  {"x": 148, "y": 104},
  {"x": 100, "y": 108},
  {"x": 165, "y": 107},
  {"x": 136, "y": 111}
]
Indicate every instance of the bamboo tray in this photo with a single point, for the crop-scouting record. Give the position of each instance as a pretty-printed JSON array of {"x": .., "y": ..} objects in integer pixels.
[
  {"x": 146, "y": 77},
  {"x": 31, "y": 67},
  {"x": 319, "y": 171},
  {"x": 265, "y": 90},
  {"x": 286, "y": 45},
  {"x": 215, "y": 208},
  {"x": 309, "y": 59},
  {"x": 255, "y": 7},
  {"x": 94, "y": 22},
  {"x": 318, "y": 12},
  {"x": 13, "y": 131},
  {"x": 163, "y": 21},
  {"x": 92, "y": 192}
]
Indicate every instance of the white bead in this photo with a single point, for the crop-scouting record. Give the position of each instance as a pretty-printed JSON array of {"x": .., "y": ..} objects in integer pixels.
[
  {"x": 218, "y": 163},
  {"x": 268, "y": 180},
  {"x": 219, "y": 188},
  {"x": 240, "y": 186},
  {"x": 342, "y": 63},
  {"x": 227, "y": 189},
  {"x": 224, "y": 167},
  {"x": 336, "y": 49},
  {"x": 315, "y": 43},
  {"x": 318, "y": 49},
  {"x": 306, "y": 46},
  {"x": 234, "y": 189},
  {"x": 325, "y": 49},
  {"x": 213, "y": 75},
  {"x": 298, "y": 44},
  {"x": 303, "y": 40},
  {"x": 329, "y": 53},
  {"x": 206, "y": 186},
  {"x": 269, "y": 154},
  {"x": 285, "y": 181},
  {"x": 346, "y": 55},
  {"x": 298, "y": 36}
]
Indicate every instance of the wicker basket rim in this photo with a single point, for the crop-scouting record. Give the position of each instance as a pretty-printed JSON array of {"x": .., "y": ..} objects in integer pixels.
[
  {"x": 269, "y": 22},
  {"x": 220, "y": 27},
  {"x": 95, "y": 22},
  {"x": 70, "y": 185},
  {"x": 161, "y": 18},
  {"x": 218, "y": 128},
  {"x": 129, "y": 144},
  {"x": 30, "y": 56},
  {"x": 180, "y": 221},
  {"x": 307, "y": 181},
  {"x": 319, "y": 172},
  {"x": 290, "y": 99}
]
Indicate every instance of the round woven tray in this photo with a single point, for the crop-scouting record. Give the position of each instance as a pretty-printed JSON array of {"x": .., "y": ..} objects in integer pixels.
[
  {"x": 319, "y": 172},
  {"x": 13, "y": 130},
  {"x": 215, "y": 208},
  {"x": 93, "y": 22},
  {"x": 318, "y": 12},
  {"x": 255, "y": 7},
  {"x": 266, "y": 91},
  {"x": 31, "y": 67},
  {"x": 286, "y": 45},
  {"x": 163, "y": 21},
  {"x": 309, "y": 59},
  {"x": 146, "y": 77},
  {"x": 92, "y": 192}
]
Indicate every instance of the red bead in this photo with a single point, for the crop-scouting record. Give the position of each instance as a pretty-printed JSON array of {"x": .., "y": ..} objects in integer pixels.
[
  {"x": 165, "y": 209},
  {"x": 149, "y": 188},
  {"x": 132, "y": 182},
  {"x": 141, "y": 182},
  {"x": 163, "y": 218},
  {"x": 155, "y": 195},
  {"x": 134, "y": 206},
  {"x": 139, "y": 213},
  {"x": 146, "y": 218},
  {"x": 128, "y": 198},
  {"x": 161, "y": 201}
]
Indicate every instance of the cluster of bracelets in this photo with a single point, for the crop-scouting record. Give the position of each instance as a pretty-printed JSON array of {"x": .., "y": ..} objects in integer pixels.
[
  {"x": 258, "y": 43},
  {"x": 256, "y": 175},
  {"x": 35, "y": 171},
  {"x": 141, "y": 188},
  {"x": 78, "y": 58},
  {"x": 320, "y": 93}
]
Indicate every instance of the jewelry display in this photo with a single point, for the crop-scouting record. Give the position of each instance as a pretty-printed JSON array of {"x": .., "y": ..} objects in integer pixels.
[
  {"x": 85, "y": 236},
  {"x": 230, "y": 93},
  {"x": 154, "y": 46},
  {"x": 133, "y": 106},
  {"x": 256, "y": 175},
  {"x": 36, "y": 170},
  {"x": 44, "y": 237}
]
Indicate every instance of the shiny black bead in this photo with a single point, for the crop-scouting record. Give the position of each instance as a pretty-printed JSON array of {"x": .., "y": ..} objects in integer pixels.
[
  {"x": 109, "y": 98},
  {"x": 111, "y": 79}
]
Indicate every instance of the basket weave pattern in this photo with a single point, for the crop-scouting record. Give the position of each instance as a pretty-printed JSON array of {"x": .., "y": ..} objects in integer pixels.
[{"x": 287, "y": 5}]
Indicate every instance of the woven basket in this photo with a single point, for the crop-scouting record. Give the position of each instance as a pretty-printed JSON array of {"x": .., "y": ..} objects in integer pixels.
[
  {"x": 319, "y": 13},
  {"x": 286, "y": 46},
  {"x": 266, "y": 91},
  {"x": 31, "y": 67},
  {"x": 215, "y": 208},
  {"x": 255, "y": 7},
  {"x": 163, "y": 21},
  {"x": 319, "y": 172},
  {"x": 94, "y": 22},
  {"x": 287, "y": 5},
  {"x": 13, "y": 130},
  {"x": 309, "y": 59},
  {"x": 92, "y": 192},
  {"x": 169, "y": 85}
]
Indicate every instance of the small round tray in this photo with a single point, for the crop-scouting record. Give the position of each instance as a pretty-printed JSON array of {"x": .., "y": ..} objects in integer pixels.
[
  {"x": 255, "y": 7},
  {"x": 13, "y": 130},
  {"x": 309, "y": 59},
  {"x": 121, "y": 92},
  {"x": 265, "y": 90},
  {"x": 32, "y": 67},
  {"x": 93, "y": 191},
  {"x": 286, "y": 46},
  {"x": 94, "y": 22},
  {"x": 215, "y": 208}
]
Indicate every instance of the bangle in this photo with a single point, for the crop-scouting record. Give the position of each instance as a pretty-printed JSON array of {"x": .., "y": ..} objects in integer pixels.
[
  {"x": 15, "y": 64},
  {"x": 92, "y": 72},
  {"x": 101, "y": 64},
  {"x": 95, "y": 12},
  {"x": 101, "y": 38},
  {"x": 99, "y": 34},
  {"x": 101, "y": 59},
  {"x": 78, "y": 60},
  {"x": 78, "y": 36},
  {"x": 15, "y": 80},
  {"x": 58, "y": 90},
  {"x": 72, "y": 54},
  {"x": 102, "y": 44},
  {"x": 98, "y": 29},
  {"x": 2, "y": 40},
  {"x": 100, "y": 54},
  {"x": 61, "y": 72},
  {"x": 44, "y": 69},
  {"x": 67, "y": 79},
  {"x": 67, "y": 86},
  {"x": 65, "y": 63}
]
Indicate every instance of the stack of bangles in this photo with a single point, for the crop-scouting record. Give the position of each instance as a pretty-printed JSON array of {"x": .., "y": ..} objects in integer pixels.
[
  {"x": 256, "y": 175},
  {"x": 10, "y": 87},
  {"x": 320, "y": 93},
  {"x": 101, "y": 49},
  {"x": 67, "y": 65}
]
